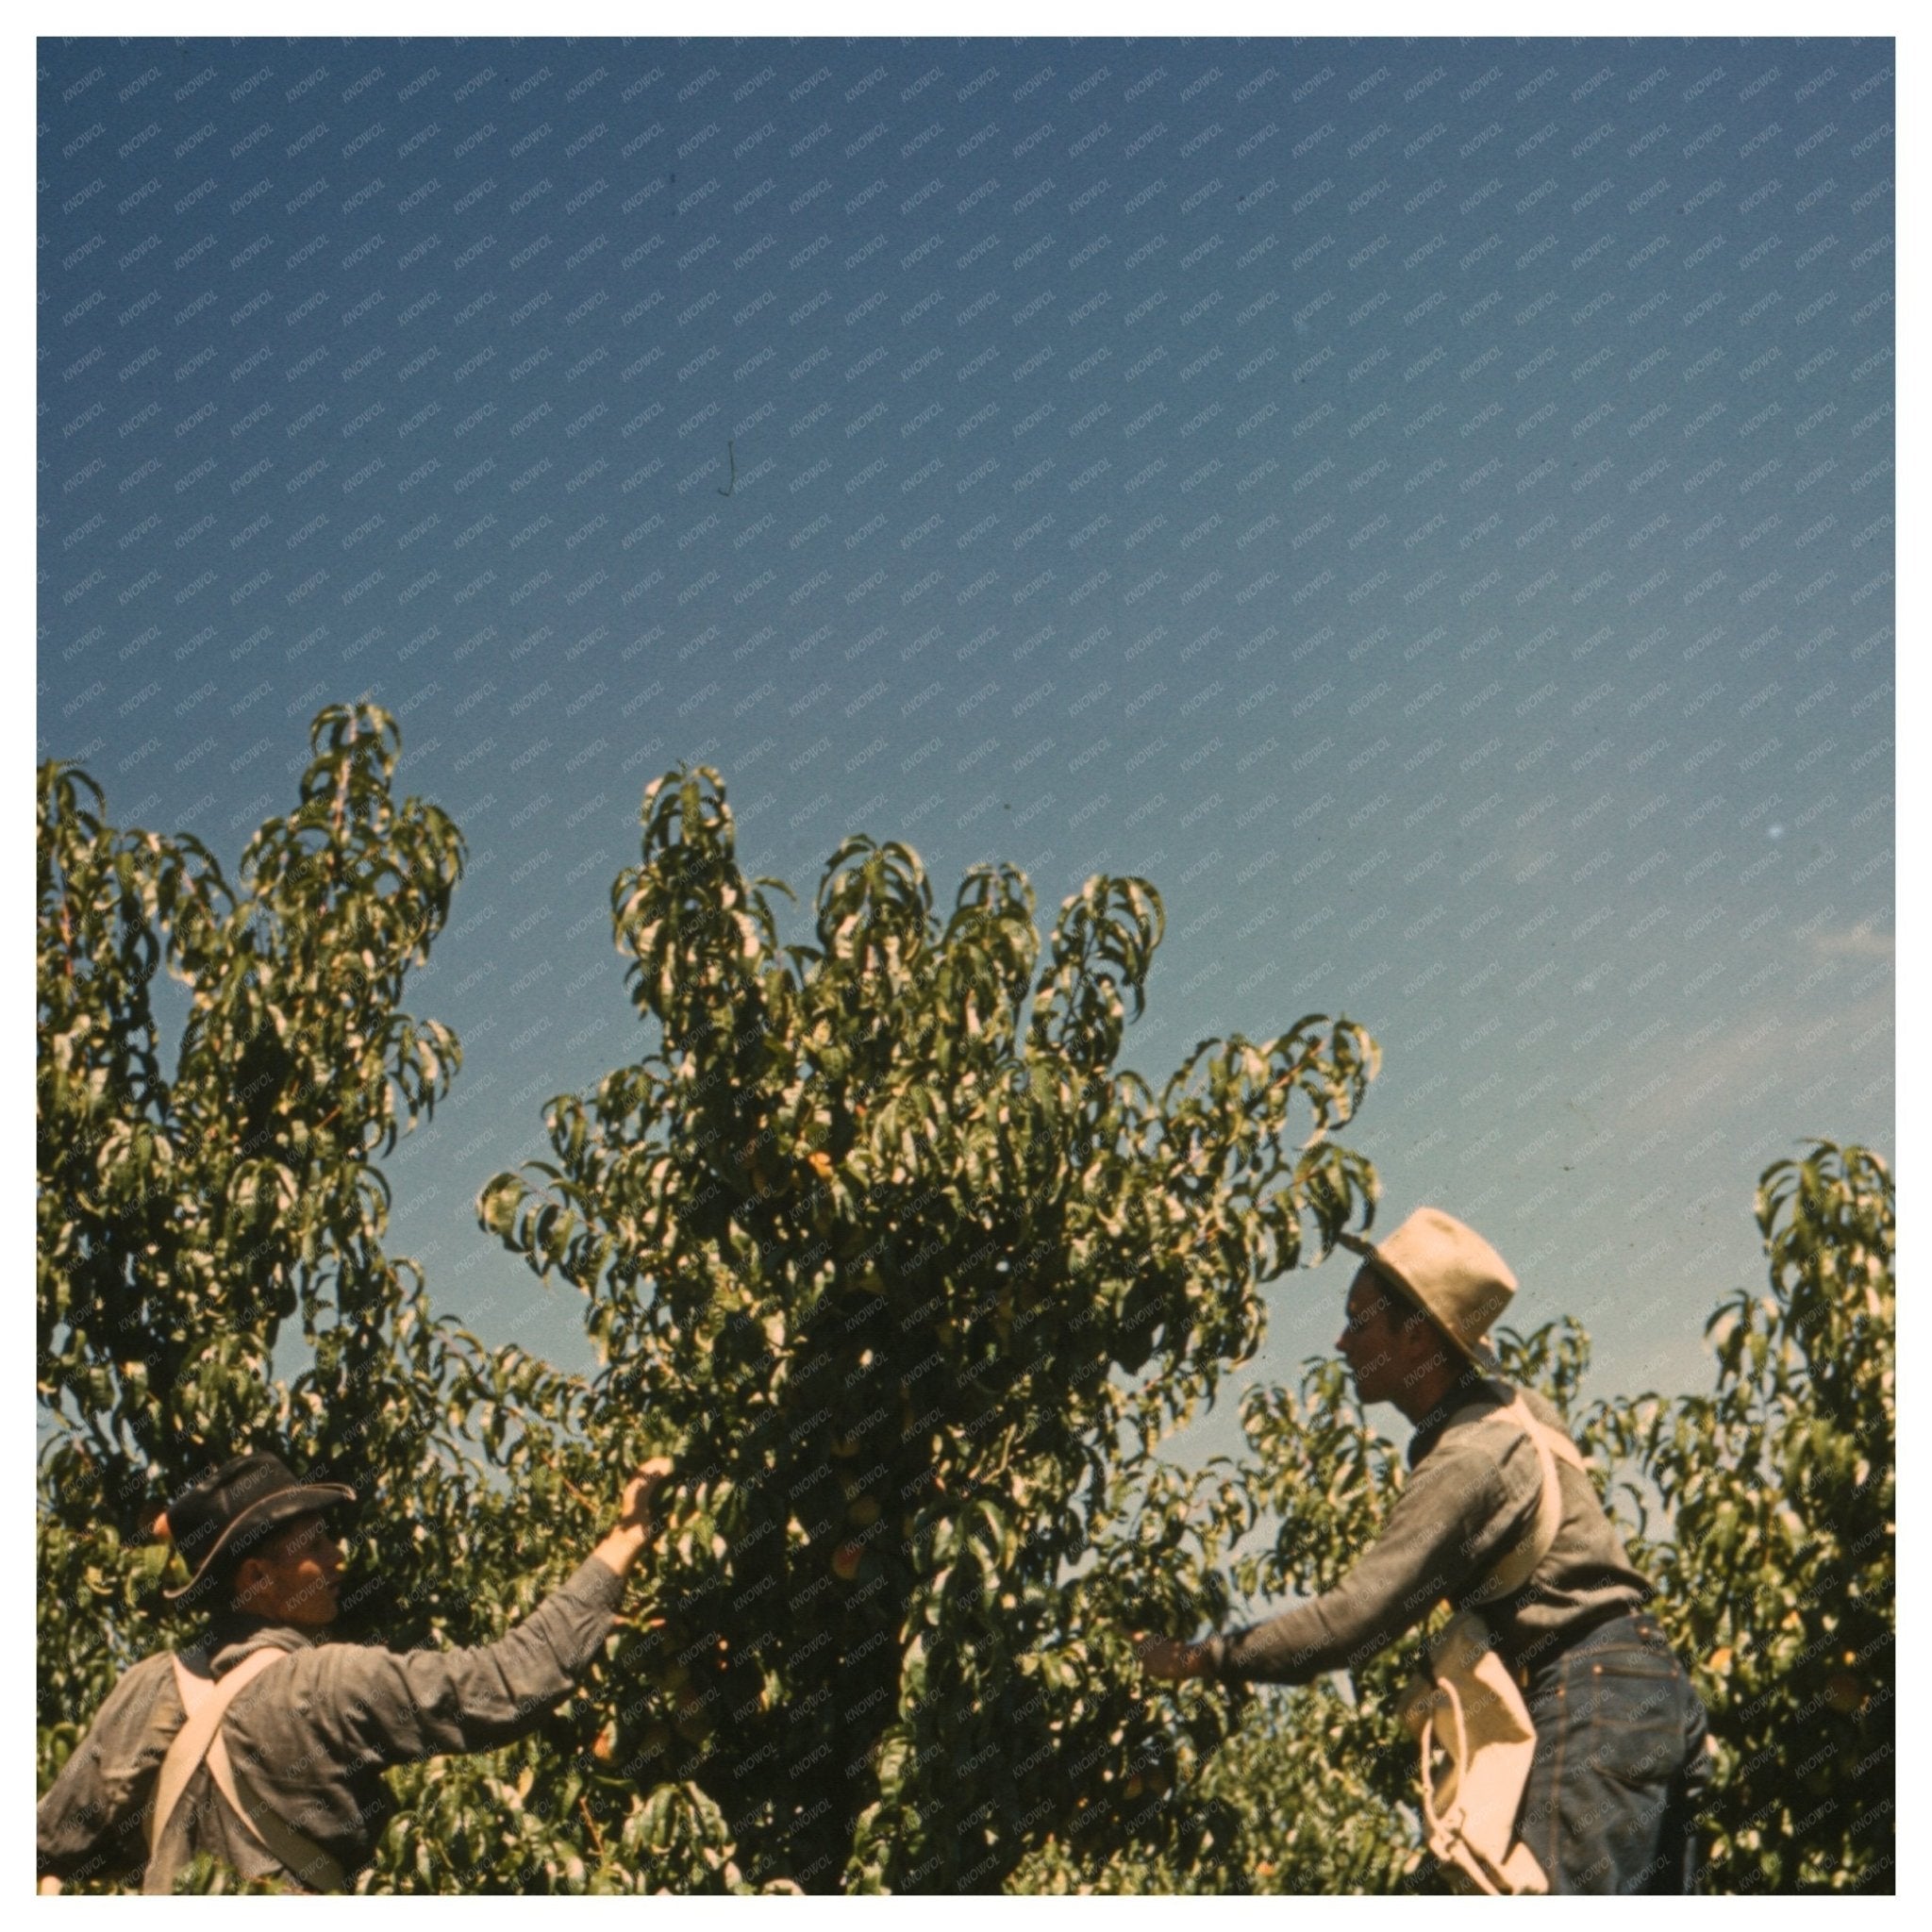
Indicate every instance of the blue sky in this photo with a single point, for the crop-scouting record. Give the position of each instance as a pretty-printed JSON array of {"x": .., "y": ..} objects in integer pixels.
[{"x": 1426, "y": 505}]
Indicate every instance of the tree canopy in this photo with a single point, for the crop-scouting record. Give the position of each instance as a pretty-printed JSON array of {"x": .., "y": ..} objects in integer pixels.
[
  {"x": 911, "y": 1276},
  {"x": 880, "y": 1241}
]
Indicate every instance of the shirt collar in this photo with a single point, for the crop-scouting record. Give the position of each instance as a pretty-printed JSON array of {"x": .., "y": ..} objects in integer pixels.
[
  {"x": 1474, "y": 1386},
  {"x": 232, "y": 1638}
]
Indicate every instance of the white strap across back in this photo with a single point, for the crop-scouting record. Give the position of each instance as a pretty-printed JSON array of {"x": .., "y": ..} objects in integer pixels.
[
  {"x": 200, "y": 1738},
  {"x": 1551, "y": 1446}
]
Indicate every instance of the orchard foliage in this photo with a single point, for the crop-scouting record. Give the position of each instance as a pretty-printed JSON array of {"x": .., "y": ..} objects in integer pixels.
[
  {"x": 185, "y": 1215},
  {"x": 1764, "y": 1513},
  {"x": 1774, "y": 1547},
  {"x": 210, "y": 1204},
  {"x": 880, "y": 1243}
]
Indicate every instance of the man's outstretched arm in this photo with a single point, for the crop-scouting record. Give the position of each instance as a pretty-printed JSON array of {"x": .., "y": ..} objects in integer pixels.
[{"x": 395, "y": 1706}]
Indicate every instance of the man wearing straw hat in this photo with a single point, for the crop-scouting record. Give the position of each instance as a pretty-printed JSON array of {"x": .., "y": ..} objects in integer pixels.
[
  {"x": 263, "y": 1744},
  {"x": 1500, "y": 1517}
]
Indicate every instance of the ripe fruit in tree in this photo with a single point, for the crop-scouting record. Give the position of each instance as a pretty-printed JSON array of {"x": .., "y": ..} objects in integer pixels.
[{"x": 695, "y": 1721}]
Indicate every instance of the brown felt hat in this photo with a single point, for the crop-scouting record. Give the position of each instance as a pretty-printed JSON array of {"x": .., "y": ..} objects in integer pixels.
[
  {"x": 1449, "y": 1272},
  {"x": 227, "y": 1512}
]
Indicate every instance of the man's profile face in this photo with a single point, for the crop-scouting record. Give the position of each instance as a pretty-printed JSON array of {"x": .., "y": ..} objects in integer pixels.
[
  {"x": 294, "y": 1577},
  {"x": 1383, "y": 1339},
  {"x": 1368, "y": 1338}
]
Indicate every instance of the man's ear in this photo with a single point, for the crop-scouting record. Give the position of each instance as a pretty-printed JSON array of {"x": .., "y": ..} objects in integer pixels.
[{"x": 251, "y": 1573}]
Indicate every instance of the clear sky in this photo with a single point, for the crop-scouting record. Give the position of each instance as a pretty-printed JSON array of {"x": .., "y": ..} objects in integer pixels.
[{"x": 1427, "y": 506}]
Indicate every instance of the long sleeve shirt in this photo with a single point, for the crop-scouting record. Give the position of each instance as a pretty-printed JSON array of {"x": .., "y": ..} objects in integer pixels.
[
  {"x": 310, "y": 1737},
  {"x": 1473, "y": 1493}
]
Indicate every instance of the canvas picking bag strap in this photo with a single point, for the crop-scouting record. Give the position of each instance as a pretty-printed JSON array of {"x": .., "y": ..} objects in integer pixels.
[
  {"x": 200, "y": 1738},
  {"x": 1471, "y": 1710},
  {"x": 1551, "y": 1446}
]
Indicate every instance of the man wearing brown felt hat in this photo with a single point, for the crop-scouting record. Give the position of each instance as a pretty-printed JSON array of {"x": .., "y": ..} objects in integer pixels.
[
  {"x": 1499, "y": 1516},
  {"x": 230, "y": 1519},
  {"x": 263, "y": 1744}
]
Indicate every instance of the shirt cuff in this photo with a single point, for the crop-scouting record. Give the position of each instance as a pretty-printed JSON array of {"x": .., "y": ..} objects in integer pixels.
[{"x": 597, "y": 1583}]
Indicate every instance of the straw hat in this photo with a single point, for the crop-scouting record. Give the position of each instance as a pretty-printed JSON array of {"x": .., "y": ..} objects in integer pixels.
[{"x": 1449, "y": 1272}]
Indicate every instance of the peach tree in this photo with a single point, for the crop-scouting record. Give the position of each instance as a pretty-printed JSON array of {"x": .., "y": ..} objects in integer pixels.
[
  {"x": 221, "y": 1066},
  {"x": 881, "y": 1242},
  {"x": 1764, "y": 1511}
]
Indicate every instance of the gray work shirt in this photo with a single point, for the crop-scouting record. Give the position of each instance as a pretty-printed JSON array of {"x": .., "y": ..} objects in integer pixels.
[
  {"x": 311, "y": 1736},
  {"x": 1473, "y": 1493}
]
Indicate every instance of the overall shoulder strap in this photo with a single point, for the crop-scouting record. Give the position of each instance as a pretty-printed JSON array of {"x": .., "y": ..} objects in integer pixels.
[
  {"x": 299, "y": 1856},
  {"x": 206, "y": 1703}
]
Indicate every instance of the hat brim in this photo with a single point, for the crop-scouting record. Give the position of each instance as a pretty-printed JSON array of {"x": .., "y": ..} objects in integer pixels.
[
  {"x": 306, "y": 1499},
  {"x": 1477, "y": 1352}
]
